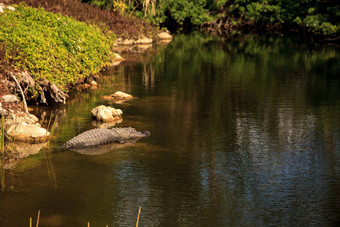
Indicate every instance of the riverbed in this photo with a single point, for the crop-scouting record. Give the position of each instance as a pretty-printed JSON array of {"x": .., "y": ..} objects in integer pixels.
[{"x": 244, "y": 132}]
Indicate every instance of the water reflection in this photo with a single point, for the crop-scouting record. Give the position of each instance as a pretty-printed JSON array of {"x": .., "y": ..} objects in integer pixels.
[{"x": 243, "y": 133}]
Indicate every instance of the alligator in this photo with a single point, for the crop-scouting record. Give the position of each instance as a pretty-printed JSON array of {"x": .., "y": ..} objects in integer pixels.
[{"x": 100, "y": 136}]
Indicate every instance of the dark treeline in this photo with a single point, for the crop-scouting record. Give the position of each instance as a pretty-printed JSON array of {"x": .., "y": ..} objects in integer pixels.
[{"x": 316, "y": 17}]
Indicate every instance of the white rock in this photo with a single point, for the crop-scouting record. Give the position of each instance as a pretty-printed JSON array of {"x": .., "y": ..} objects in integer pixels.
[
  {"x": 118, "y": 57},
  {"x": 9, "y": 98},
  {"x": 94, "y": 83},
  {"x": 33, "y": 118},
  {"x": 121, "y": 95},
  {"x": 164, "y": 35},
  {"x": 1, "y": 9},
  {"x": 128, "y": 42},
  {"x": 10, "y": 8},
  {"x": 106, "y": 113},
  {"x": 143, "y": 40},
  {"x": 22, "y": 131}
]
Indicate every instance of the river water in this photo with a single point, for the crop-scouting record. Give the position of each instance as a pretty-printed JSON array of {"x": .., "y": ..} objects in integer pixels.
[{"x": 243, "y": 133}]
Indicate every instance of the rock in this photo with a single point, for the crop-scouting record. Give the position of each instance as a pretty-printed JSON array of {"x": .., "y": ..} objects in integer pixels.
[
  {"x": 94, "y": 83},
  {"x": 10, "y": 8},
  {"x": 106, "y": 113},
  {"x": 143, "y": 40},
  {"x": 164, "y": 35},
  {"x": 33, "y": 118},
  {"x": 24, "y": 127},
  {"x": 119, "y": 41},
  {"x": 118, "y": 57},
  {"x": 32, "y": 133},
  {"x": 121, "y": 95},
  {"x": 127, "y": 42},
  {"x": 9, "y": 98},
  {"x": 118, "y": 97},
  {"x": 1, "y": 9}
]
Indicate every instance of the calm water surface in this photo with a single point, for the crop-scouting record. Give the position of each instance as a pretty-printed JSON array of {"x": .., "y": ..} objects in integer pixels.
[{"x": 243, "y": 133}]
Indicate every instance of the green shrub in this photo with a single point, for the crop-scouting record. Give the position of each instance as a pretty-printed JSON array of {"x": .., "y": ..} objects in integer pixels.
[{"x": 53, "y": 46}]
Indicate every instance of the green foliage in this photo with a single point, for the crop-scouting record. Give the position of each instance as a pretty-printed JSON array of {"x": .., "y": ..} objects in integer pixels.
[
  {"x": 54, "y": 47},
  {"x": 316, "y": 16},
  {"x": 259, "y": 11},
  {"x": 195, "y": 11},
  {"x": 180, "y": 10},
  {"x": 319, "y": 17}
]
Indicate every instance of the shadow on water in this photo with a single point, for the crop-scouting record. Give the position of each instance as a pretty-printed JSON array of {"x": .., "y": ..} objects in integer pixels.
[{"x": 243, "y": 133}]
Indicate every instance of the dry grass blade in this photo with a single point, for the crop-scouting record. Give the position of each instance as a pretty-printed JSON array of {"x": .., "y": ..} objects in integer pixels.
[
  {"x": 140, "y": 208},
  {"x": 38, "y": 219}
]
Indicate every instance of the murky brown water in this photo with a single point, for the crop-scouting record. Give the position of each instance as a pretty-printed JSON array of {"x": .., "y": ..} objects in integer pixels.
[{"x": 243, "y": 133}]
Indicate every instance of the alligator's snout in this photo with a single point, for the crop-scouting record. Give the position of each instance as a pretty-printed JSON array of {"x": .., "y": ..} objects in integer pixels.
[
  {"x": 140, "y": 134},
  {"x": 146, "y": 133}
]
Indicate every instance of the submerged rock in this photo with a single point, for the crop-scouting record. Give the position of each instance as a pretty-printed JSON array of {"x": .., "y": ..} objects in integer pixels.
[
  {"x": 106, "y": 113},
  {"x": 118, "y": 97},
  {"x": 121, "y": 95}
]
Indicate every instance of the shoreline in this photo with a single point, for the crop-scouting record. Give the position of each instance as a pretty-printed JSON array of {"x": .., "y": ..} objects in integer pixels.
[
  {"x": 13, "y": 99},
  {"x": 14, "y": 112}
]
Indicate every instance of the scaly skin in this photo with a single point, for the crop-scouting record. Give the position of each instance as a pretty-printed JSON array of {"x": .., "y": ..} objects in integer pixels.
[{"x": 98, "y": 136}]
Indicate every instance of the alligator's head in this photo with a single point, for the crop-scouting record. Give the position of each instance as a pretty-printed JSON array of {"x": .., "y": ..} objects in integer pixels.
[{"x": 131, "y": 133}]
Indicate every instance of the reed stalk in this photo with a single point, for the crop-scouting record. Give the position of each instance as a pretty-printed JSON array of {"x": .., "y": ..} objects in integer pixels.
[
  {"x": 140, "y": 208},
  {"x": 38, "y": 219}
]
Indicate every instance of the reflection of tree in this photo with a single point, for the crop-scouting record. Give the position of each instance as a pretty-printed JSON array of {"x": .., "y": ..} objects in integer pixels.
[{"x": 251, "y": 112}]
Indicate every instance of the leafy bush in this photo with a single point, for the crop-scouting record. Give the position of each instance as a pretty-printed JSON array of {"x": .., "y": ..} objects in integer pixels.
[
  {"x": 53, "y": 46},
  {"x": 316, "y": 16},
  {"x": 158, "y": 11}
]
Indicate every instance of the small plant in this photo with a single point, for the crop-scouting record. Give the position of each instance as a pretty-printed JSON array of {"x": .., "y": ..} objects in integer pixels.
[{"x": 119, "y": 6}]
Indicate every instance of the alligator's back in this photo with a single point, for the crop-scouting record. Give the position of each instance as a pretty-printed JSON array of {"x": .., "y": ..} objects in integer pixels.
[
  {"x": 101, "y": 136},
  {"x": 92, "y": 137}
]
